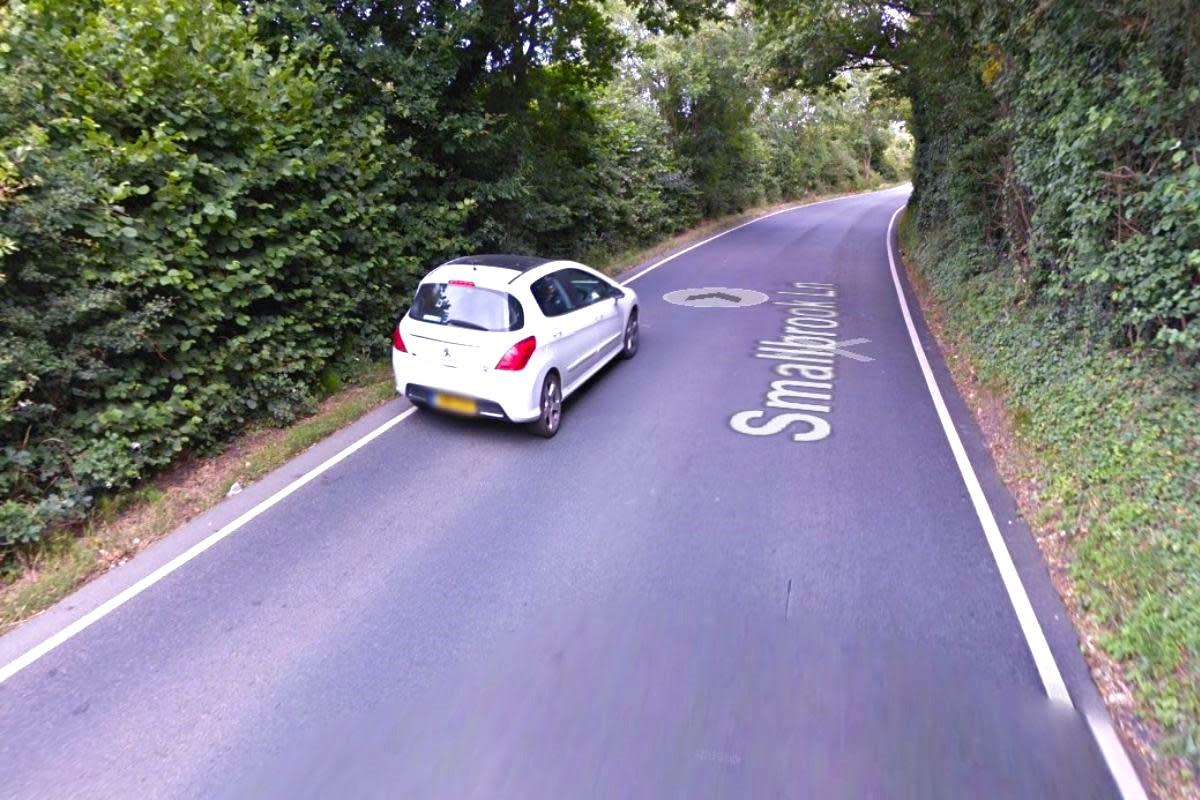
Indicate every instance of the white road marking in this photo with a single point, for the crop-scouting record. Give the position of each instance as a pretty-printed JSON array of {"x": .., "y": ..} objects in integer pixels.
[
  {"x": 1039, "y": 648},
  {"x": 1110, "y": 745},
  {"x": 840, "y": 349},
  {"x": 133, "y": 590},
  {"x": 1119, "y": 765},
  {"x": 687, "y": 250},
  {"x": 716, "y": 297}
]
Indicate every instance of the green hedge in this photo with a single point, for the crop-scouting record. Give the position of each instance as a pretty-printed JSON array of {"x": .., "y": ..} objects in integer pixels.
[
  {"x": 1069, "y": 135},
  {"x": 1058, "y": 178},
  {"x": 1116, "y": 439},
  {"x": 209, "y": 209},
  {"x": 1101, "y": 101},
  {"x": 1057, "y": 203},
  {"x": 192, "y": 231}
]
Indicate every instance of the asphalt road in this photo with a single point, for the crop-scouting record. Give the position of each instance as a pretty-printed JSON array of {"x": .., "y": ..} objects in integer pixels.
[{"x": 650, "y": 605}]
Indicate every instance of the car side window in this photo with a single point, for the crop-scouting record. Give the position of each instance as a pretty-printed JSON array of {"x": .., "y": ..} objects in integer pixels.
[
  {"x": 552, "y": 298},
  {"x": 583, "y": 288}
]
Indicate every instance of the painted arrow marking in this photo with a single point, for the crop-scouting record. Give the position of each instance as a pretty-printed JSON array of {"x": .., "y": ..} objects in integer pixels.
[
  {"x": 715, "y": 297},
  {"x": 728, "y": 298}
]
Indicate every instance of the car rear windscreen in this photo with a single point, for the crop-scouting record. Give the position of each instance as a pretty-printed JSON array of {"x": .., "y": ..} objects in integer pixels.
[{"x": 466, "y": 306}]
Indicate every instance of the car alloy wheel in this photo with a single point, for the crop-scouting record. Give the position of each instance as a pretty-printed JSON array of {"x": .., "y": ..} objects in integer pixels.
[
  {"x": 551, "y": 405},
  {"x": 631, "y": 336}
]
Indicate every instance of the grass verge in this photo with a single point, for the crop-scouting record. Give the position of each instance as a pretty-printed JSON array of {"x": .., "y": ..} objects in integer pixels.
[
  {"x": 1100, "y": 446},
  {"x": 127, "y": 523}
]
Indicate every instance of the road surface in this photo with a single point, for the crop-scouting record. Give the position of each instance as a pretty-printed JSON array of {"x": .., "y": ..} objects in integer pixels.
[{"x": 654, "y": 604}]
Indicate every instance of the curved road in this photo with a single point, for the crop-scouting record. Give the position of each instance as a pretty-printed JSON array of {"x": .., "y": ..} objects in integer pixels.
[{"x": 651, "y": 605}]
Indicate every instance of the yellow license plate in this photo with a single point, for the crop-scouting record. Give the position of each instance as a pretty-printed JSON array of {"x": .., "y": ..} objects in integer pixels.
[{"x": 458, "y": 405}]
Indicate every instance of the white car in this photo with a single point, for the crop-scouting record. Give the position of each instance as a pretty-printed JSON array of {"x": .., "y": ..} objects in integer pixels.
[{"x": 510, "y": 337}]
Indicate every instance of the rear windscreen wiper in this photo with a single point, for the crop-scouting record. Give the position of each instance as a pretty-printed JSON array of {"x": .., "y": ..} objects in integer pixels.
[{"x": 460, "y": 323}]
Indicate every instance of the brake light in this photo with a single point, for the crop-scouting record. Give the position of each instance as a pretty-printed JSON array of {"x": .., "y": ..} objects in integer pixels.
[
  {"x": 398, "y": 341},
  {"x": 518, "y": 355},
  {"x": 462, "y": 283}
]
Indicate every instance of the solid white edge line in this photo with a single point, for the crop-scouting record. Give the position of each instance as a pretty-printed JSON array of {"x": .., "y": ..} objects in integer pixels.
[
  {"x": 1039, "y": 648},
  {"x": 133, "y": 590},
  {"x": 1129, "y": 783},
  {"x": 1119, "y": 766},
  {"x": 144, "y": 583}
]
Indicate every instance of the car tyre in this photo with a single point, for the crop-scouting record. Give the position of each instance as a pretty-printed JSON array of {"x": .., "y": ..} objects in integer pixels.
[
  {"x": 630, "y": 346},
  {"x": 547, "y": 424}
]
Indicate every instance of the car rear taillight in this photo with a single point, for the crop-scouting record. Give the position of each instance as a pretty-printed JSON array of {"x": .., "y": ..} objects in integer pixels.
[
  {"x": 518, "y": 355},
  {"x": 462, "y": 283},
  {"x": 398, "y": 341}
]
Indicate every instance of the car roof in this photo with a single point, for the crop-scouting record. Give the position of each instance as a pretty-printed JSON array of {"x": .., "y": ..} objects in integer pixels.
[
  {"x": 496, "y": 271},
  {"x": 503, "y": 261}
]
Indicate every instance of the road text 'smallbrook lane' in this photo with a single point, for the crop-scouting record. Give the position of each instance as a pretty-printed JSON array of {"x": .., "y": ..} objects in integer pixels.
[{"x": 806, "y": 353}]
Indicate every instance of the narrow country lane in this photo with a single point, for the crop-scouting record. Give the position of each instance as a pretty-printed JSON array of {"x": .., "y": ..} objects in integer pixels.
[{"x": 673, "y": 598}]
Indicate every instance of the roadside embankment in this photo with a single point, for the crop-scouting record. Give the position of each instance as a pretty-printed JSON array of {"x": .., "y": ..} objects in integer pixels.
[{"x": 1101, "y": 445}]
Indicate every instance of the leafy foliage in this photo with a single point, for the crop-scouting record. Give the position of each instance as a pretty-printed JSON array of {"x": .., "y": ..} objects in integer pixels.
[
  {"x": 741, "y": 143},
  {"x": 208, "y": 208},
  {"x": 1115, "y": 437},
  {"x": 1101, "y": 102},
  {"x": 197, "y": 229},
  {"x": 1066, "y": 134},
  {"x": 1057, "y": 196}
]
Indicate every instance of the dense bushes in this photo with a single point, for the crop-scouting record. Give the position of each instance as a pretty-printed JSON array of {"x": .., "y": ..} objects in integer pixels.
[
  {"x": 207, "y": 209},
  {"x": 740, "y": 147},
  {"x": 1115, "y": 438},
  {"x": 1100, "y": 102},
  {"x": 1078, "y": 154},
  {"x": 1065, "y": 134},
  {"x": 1057, "y": 197},
  {"x": 1075, "y": 152},
  {"x": 196, "y": 229}
]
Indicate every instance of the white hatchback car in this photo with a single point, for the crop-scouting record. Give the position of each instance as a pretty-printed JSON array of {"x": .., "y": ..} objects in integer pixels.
[{"x": 509, "y": 337}]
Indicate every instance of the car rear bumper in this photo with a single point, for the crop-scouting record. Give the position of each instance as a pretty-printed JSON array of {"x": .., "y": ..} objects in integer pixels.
[
  {"x": 498, "y": 394},
  {"x": 424, "y": 396}
]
